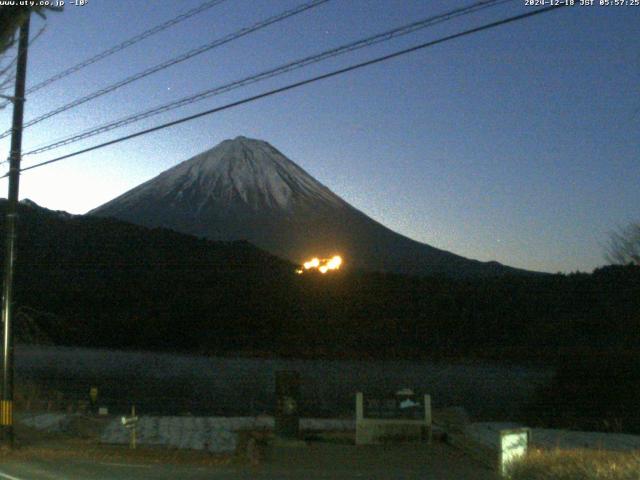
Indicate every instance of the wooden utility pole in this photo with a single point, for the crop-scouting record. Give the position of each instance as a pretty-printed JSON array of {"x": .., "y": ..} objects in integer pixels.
[{"x": 6, "y": 400}]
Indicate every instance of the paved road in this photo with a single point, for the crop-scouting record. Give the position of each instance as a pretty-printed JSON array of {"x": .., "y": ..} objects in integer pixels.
[
  {"x": 315, "y": 462},
  {"x": 81, "y": 470}
]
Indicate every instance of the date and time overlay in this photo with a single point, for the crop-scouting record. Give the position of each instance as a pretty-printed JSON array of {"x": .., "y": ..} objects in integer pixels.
[
  {"x": 43, "y": 3},
  {"x": 582, "y": 3},
  {"x": 527, "y": 3}
]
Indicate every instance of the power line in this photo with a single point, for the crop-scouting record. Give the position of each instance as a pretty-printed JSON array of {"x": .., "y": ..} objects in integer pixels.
[
  {"x": 121, "y": 46},
  {"x": 169, "y": 63},
  {"x": 288, "y": 67},
  {"x": 385, "y": 36},
  {"x": 299, "y": 84}
]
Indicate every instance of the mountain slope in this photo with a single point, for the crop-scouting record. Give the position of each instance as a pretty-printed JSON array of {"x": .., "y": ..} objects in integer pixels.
[
  {"x": 246, "y": 189},
  {"x": 95, "y": 282},
  {"x": 102, "y": 282}
]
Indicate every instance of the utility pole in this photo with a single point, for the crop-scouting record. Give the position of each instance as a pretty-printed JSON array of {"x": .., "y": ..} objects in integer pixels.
[{"x": 6, "y": 401}]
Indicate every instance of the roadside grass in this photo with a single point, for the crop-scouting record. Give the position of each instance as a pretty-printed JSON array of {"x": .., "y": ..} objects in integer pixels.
[
  {"x": 33, "y": 444},
  {"x": 74, "y": 449},
  {"x": 579, "y": 464}
]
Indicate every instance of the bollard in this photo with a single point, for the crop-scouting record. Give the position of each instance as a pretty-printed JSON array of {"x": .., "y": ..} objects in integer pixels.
[
  {"x": 133, "y": 430},
  {"x": 93, "y": 398},
  {"x": 287, "y": 418}
]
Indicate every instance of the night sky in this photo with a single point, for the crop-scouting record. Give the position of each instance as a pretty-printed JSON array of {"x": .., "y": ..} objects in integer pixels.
[{"x": 519, "y": 144}]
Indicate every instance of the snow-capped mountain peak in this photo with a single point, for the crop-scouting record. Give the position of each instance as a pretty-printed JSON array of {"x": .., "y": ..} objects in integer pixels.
[
  {"x": 245, "y": 189},
  {"x": 242, "y": 170}
]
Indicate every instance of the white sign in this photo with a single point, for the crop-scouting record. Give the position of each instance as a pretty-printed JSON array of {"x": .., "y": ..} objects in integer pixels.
[
  {"x": 129, "y": 422},
  {"x": 513, "y": 446}
]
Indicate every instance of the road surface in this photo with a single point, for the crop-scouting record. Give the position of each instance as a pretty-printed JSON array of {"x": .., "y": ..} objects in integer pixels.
[{"x": 314, "y": 462}]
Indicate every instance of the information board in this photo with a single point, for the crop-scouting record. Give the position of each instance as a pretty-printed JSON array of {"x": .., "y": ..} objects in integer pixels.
[{"x": 400, "y": 408}]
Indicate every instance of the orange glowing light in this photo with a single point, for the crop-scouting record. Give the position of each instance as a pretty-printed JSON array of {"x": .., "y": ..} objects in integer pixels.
[
  {"x": 313, "y": 263},
  {"x": 323, "y": 265}
]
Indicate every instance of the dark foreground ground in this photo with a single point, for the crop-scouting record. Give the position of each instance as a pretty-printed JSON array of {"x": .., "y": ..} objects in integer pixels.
[
  {"x": 43, "y": 456},
  {"x": 315, "y": 461}
]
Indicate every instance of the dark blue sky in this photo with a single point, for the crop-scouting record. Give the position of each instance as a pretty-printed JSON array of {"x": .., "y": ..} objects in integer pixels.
[{"x": 519, "y": 144}]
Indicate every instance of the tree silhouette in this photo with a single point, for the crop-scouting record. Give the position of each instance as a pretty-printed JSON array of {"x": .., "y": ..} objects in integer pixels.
[
  {"x": 624, "y": 245},
  {"x": 11, "y": 19}
]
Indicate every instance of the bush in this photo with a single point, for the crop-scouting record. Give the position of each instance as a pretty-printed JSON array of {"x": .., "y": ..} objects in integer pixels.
[
  {"x": 598, "y": 391},
  {"x": 577, "y": 465}
]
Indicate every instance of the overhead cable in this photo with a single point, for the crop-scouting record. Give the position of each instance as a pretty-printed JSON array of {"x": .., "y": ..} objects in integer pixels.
[
  {"x": 169, "y": 63},
  {"x": 299, "y": 84},
  {"x": 282, "y": 69},
  {"x": 121, "y": 46}
]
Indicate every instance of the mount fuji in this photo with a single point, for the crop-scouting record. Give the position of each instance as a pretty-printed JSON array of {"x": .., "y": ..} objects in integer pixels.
[{"x": 245, "y": 189}]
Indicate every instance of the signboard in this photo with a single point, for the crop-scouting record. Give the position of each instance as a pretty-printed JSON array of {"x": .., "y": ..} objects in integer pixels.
[
  {"x": 400, "y": 418},
  {"x": 129, "y": 422},
  {"x": 400, "y": 408},
  {"x": 513, "y": 446}
]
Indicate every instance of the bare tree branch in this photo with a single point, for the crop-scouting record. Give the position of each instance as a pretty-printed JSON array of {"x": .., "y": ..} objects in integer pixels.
[
  {"x": 7, "y": 76},
  {"x": 624, "y": 245},
  {"x": 12, "y": 18}
]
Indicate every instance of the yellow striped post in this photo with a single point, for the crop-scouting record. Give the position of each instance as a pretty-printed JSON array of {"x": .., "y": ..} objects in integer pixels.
[{"x": 6, "y": 412}]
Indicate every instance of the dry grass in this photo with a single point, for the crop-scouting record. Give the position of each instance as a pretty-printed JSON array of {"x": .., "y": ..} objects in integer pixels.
[
  {"x": 32, "y": 444},
  {"x": 73, "y": 449},
  {"x": 577, "y": 465}
]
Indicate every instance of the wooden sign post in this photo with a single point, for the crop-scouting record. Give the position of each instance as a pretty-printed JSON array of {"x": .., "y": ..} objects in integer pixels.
[{"x": 131, "y": 423}]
